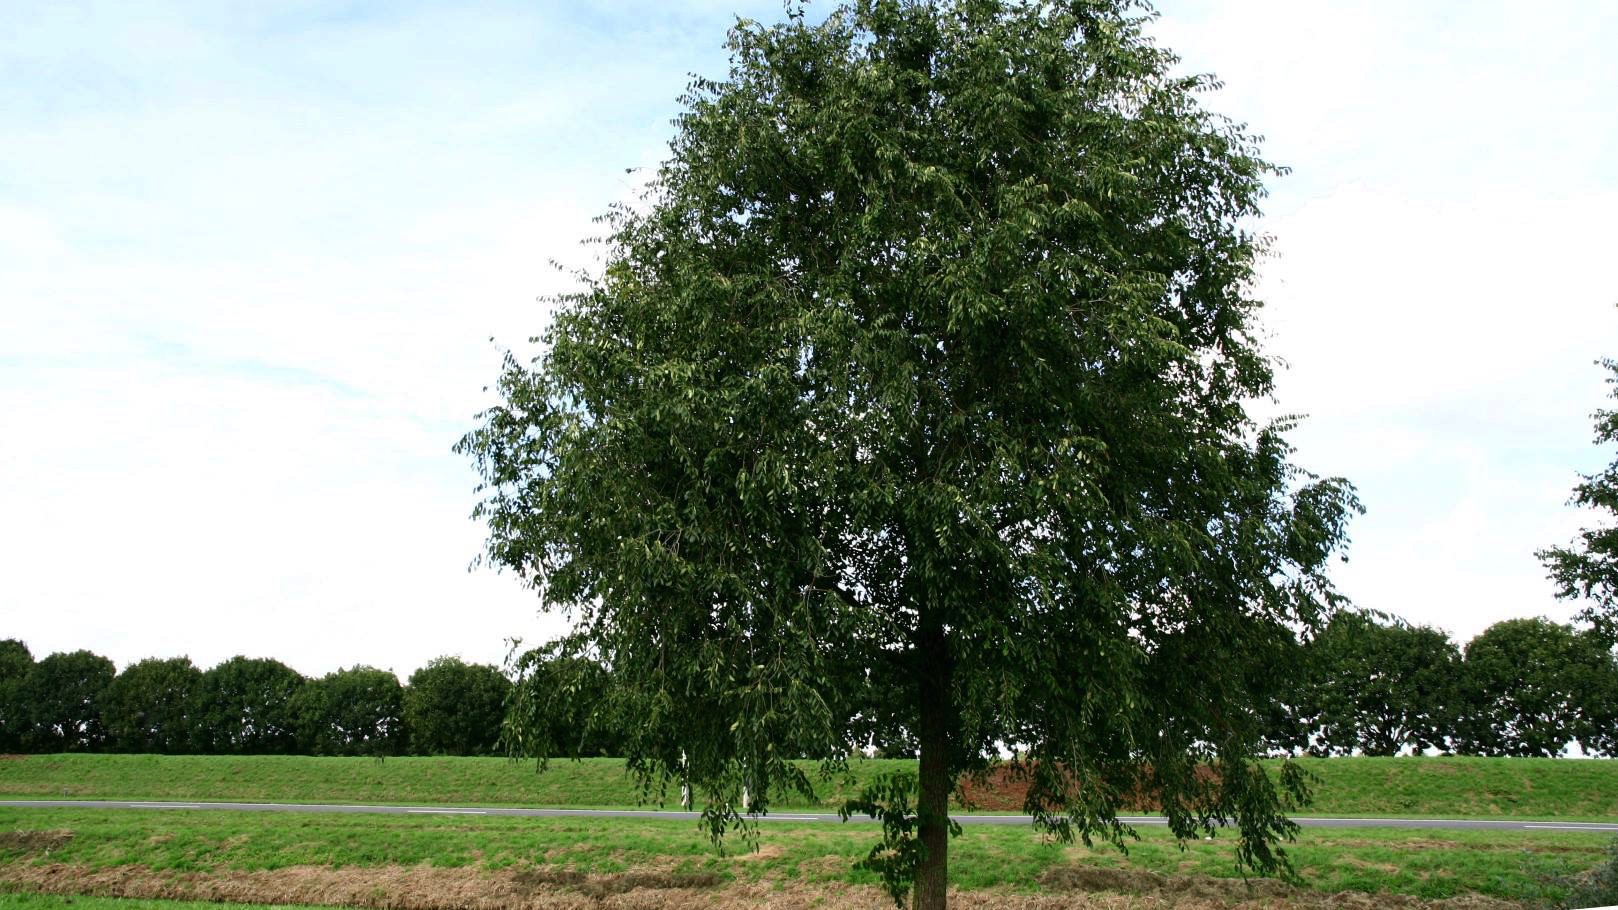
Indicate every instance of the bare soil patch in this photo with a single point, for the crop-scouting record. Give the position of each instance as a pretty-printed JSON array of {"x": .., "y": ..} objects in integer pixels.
[
  {"x": 764, "y": 852},
  {"x": 599, "y": 886},
  {"x": 541, "y": 888},
  {"x": 25, "y": 843},
  {"x": 1138, "y": 881},
  {"x": 1004, "y": 788}
]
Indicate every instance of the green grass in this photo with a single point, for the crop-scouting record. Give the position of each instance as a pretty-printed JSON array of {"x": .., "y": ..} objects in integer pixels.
[
  {"x": 448, "y": 781},
  {"x": 1466, "y": 787},
  {"x": 1427, "y": 864},
  {"x": 1511, "y": 865},
  {"x": 1433, "y": 787}
]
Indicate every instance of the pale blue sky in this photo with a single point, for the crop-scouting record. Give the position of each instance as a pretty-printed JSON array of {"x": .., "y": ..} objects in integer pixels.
[{"x": 251, "y": 256}]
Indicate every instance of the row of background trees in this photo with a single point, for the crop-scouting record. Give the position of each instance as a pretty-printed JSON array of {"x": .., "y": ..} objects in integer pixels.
[
  {"x": 1377, "y": 686},
  {"x": 1368, "y": 685},
  {"x": 77, "y": 702}
]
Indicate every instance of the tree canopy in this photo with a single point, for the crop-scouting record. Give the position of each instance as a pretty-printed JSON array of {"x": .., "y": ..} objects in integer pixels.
[
  {"x": 912, "y": 397},
  {"x": 149, "y": 706},
  {"x": 1532, "y": 686},
  {"x": 455, "y": 708},
  {"x": 243, "y": 707},
  {"x": 15, "y": 717},
  {"x": 358, "y": 711},
  {"x": 562, "y": 706},
  {"x": 1588, "y": 567},
  {"x": 64, "y": 694},
  {"x": 1379, "y": 688}
]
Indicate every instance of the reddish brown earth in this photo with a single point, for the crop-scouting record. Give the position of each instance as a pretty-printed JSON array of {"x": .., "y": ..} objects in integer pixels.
[{"x": 1005, "y": 787}]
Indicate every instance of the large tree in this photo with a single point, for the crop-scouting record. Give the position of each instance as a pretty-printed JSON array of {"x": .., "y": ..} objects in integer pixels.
[
  {"x": 911, "y": 399},
  {"x": 1588, "y": 567}
]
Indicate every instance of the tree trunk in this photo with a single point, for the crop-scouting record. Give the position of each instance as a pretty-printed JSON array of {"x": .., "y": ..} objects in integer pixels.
[{"x": 936, "y": 780}]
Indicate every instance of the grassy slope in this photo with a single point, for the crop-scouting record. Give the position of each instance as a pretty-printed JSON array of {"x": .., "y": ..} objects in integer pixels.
[
  {"x": 406, "y": 781},
  {"x": 1466, "y": 787},
  {"x": 1428, "y": 864},
  {"x": 1461, "y": 787}
]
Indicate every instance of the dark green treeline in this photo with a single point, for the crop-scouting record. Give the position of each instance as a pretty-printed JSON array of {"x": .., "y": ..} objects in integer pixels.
[
  {"x": 1367, "y": 685},
  {"x": 1371, "y": 685},
  {"x": 76, "y": 702}
]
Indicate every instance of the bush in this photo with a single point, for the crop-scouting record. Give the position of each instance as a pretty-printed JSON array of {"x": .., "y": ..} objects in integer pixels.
[{"x": 1596, "y": 888}]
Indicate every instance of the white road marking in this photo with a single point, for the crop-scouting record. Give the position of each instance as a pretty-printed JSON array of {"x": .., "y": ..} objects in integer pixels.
[
  {"x": 1589, "y": 826},
  {"x": 164, "y": 806},
  {"x": 449, "y": 811}
]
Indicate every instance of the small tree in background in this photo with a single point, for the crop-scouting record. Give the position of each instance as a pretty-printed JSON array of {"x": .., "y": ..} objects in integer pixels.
[
  {"x": 1378, "y": 688},
  {"x": 916, "y": 391},
  {"x": 244, "y": 708},
  {"x": 358, "y": 711},
  {"x": 148, "y": 706},
  {"x": 1531, "y": 686},
  {"x": 64, "y": 695},
  {"x": 455, "y": 708},
  {"x": 15, "y": 719},
  {"x": 1588, "y": 567}
]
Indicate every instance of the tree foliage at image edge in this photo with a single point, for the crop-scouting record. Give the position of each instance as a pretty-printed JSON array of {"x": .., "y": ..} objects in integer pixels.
[{"x": 1588, "y": 567}]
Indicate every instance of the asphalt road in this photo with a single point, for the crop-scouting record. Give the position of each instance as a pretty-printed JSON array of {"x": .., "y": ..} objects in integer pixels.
[{"x": 1446, "y": 823}]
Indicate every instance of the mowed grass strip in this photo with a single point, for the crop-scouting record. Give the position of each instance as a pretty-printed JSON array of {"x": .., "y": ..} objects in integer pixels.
[
  {"x": 1507, "y": 865},
  {"x": 1452, "y": 787},
  {"x": 1465, "y": 787},
  {"x": 414, "y": 780}
]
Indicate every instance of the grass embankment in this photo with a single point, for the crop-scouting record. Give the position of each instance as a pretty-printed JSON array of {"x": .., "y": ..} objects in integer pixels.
[
  {"x": 430, "y": 861},
  {"x": 1433, "y": 787},
  {"x": 459, "y": 781},
  {"x": 1461, "y": 787}
]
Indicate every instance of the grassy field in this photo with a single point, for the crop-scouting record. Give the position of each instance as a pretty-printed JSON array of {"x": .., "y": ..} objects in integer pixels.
[
  {"x": 1434, "y": 787},
  {"x": 333, "y": 859}
]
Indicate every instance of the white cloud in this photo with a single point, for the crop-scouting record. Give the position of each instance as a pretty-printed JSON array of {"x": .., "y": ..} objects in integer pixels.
[
  {"x": 1441, "y": 285},
  {"x": 1444, "y": 354},
  {"x": 248, "y": 314},
  {"x": 251, "y": 272}
]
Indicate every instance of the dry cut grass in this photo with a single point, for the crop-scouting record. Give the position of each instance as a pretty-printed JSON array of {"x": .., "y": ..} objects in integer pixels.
[{"x": 430, "y": 888}]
